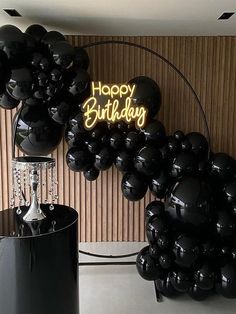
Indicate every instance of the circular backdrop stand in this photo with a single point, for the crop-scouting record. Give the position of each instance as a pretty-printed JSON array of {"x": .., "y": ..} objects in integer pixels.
[{"x": 39, "y": 262}]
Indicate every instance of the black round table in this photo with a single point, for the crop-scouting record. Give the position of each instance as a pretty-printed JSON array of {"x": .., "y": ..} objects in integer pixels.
[{"x": 39, "y": 262}]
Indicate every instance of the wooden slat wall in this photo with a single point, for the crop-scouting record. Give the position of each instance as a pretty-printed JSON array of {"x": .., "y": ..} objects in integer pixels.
[{"x": 210, "y": 65}]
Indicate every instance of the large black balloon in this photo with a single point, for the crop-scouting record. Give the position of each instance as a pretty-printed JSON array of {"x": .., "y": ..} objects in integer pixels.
[
  {"x": 147, "y": 267},
  {"x": 198, "y": 294},
  {"x": 36, "y": 132},
  {"x": 222, "y": 166},
  {"x": 124, "y": 161},
  {"x": 159, "y": 183},
  {"x": 183, "y": 164},
  {"x": 154, "y": 133},
  {"x": 12, "y": 42},
  {"x": 91, "y": 174},
  {"x": 226, "y": 285},
  {"x": 147, "y": 93},
  {"x": 20, "y": 84},
  {"x": 81, "y": 60},
  {"x": 7, "y": 102},
  {"x": 155, "y": 227},
  {"x": 225, "y": 224},
  {"x": 198, "y": 143},
  {"x": 155, "y": 208},
  {"x": 205, "y": 277},
  {"x": 78, "y": 159},
  {"x": 61, "y": 107},
  {"x": 104, "y": 158},
  {"x": 165, "y": 287},
  {"x": 186, "y": 250},
  {"x": 37, "y": 31},
  {"x": 148, "y": 160},
  {"x": 180, "y": 280},
  {"x": 133, "y": 186},
  {"x": 190, "y": 201},
  {"x": 63, "y": 54},
  {"x": 134, "y": 140}
]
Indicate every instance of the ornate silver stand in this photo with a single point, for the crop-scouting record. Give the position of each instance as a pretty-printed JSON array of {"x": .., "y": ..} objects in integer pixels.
[{"x": 28, "y": 174}]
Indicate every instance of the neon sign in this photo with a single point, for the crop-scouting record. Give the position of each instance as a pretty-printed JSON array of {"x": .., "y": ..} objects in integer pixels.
[{"x": 112, "y": 103}]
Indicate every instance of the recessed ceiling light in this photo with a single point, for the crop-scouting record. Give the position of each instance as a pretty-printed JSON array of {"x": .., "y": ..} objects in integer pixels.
[
  {"x": 12, "y": 12},
  {"x": 226, "y": 15}
]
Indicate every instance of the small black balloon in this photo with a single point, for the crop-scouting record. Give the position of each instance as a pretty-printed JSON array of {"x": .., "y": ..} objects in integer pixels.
[
  {"x": 124, "y": 161},
  {"x": 104, "y": 158},
  {"x": 155, "y": 208},
  {"x": 60, "y": 108},
  {"x": 148, "y": 160},
  {"x": 154, "y": 228},
  {"x": 36, "y": 31},
  {"x": 44, "y": 64},
  {"x": 116, "y": 140},
  {"x": 165, "y": 260},
  {"x": 134, "y": 140},
  {"x": 56, "y": 75},
  {"x": 198, "y": 294},
  {"x": 52, "y": 37},
  {"x": 225, "y": 224},
  {"x": 81, "y": 60},
  {"x": 180, "y": 280},
  {"x": 74, "y": 139},
  {"x": 7, "y": 102},
  {"x": 80, "y": 84},
  {"x": 205, "y": 277},
  {"x": 78, "y": 159},
  {"x": 133, "y": 186},
  {"x": 173, "y": 145},
  {"x": 226, "y": 284},
  {"x": 93, "y": 145},
  {"x": 154, "y": 132},
  {"x": 165, "y": 287},
  {"x": 63, "y": 54},
  {"x": 199, "y": 144},
  {"x": 154, "y": 251},
  {"x": 186, "y": 250},
  {"x": 159, "y": 183},
  {"x": 179, "y": 135},
  {"x": 183, "y": 164},
  {"x": 35, "y": 59},
  {"x": 222, "y": 166},
  {"x": 147, "y": 267},
  {"x": 230, "y": 191},
  {"x": 20, "y": 84},
  {"x": 76, "y": 123},
  {"x": 164, "y": 241},
  {"x": 91, "y": 174},
  {"x": 147, "y": 93}
]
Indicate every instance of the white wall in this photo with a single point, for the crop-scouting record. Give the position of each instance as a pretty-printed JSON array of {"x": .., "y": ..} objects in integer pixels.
[{"x": 120, "y": 290}]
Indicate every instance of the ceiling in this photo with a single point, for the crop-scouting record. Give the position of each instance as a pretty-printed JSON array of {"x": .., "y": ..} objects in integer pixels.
[{"x": 124, "y": 17}]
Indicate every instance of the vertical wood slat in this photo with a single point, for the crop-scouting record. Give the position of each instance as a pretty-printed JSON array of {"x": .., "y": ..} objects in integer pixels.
[{"x": 210, "y": 65}]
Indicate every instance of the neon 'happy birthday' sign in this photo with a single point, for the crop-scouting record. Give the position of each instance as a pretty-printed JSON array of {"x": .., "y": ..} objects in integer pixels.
[{"x": 112, "y": 103}]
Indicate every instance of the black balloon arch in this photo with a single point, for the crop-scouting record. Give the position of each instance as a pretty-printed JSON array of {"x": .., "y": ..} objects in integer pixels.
[{"x": 191, "y": 228}]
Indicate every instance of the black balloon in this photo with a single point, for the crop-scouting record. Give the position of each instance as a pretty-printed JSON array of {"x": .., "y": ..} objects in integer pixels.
[
  {"x": 198, "y": 143},
  {"x": 81, "y": 60},
  {"x": 12, "y": 42},
  {"x": 155, "y": 133},
  {"x": 63, "y": 54},
  {"x": 180, "y": 280},
  {"x": 134, "y": 140},
  {"x": 116, "y": 140},
  {"x": 173, "y": 145},
  {"x": 147, "y": 93},
  {"x": 198, "y": 294},
  {"x": 80, "y": 85},
  {"x": 93, "y": 145},
  {"x": 230, "y": 191},
  {"x": 183, "y": 164},
  {"x": 104, "y": 158},
  {"x": 36, "y": 132},
  {"x": 35, "y": 59},
  {"x": 133, "y": 186},
  {"x": 159, "y": 183},
  {"x": 154, "y": 251},
  {"x": 52, "y": 37},
  {"x": 190, "y": 201},
  {"x": 165, "y": 287},
  {"x": 76, "y": 123},
  {"x": 155, "y": 227},
  {"x": 222, "y": 166},
  {"x": 78, "y": 159},
  {"x": 56, "y": 75},
  {"x": 147, "y": 267},
  {"x": 165, "y": 260},
  {"x": 205, "y": 277},
  {"x": 226, "y": 284},
  {"x": 74, "y": 139},
  {"x": 124, "y": 160},
  {"x": 7, "y": 102},
  {"x": 44, "y": 64},
  {"x": 148, "y": 160},
  {"x": 91, "y": 174},
  {"x": 225, "y": 224},
  {"x": 155, "y": 208},
  {"x": 164, "y": 241},
  {"x": 186, "y": 250},
  {"x": 36, "y": 31},
  {"x": 20, "y": 84},
  {"x": 179, "y": 135},
  {"x": 60, "y": 108}
]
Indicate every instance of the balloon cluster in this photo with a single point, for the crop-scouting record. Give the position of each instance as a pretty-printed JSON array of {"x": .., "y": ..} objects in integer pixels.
[
  {"x": 48, "y": 76},
  {"x": 192, "y": 233}
]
